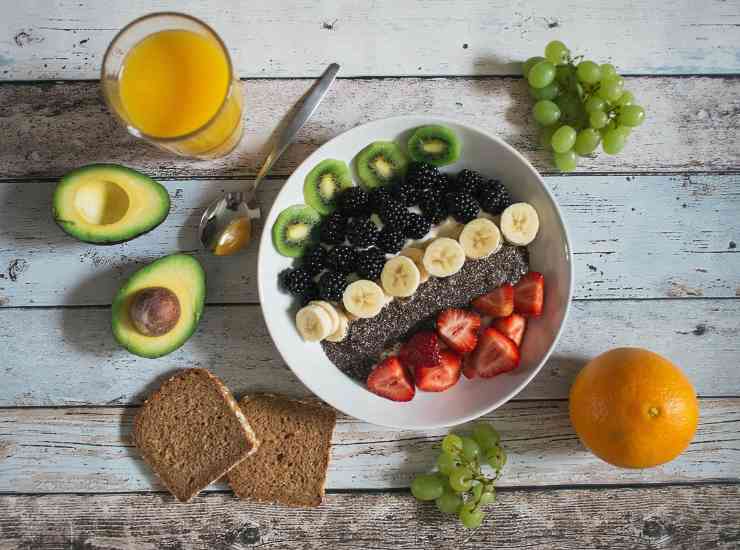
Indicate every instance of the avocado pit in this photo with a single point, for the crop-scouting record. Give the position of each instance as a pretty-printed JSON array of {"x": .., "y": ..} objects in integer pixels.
[{"x": 154, "y": 311}]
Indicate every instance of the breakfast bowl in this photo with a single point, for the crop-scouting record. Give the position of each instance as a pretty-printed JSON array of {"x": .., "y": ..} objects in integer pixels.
[{"x": 549, "y": 254}]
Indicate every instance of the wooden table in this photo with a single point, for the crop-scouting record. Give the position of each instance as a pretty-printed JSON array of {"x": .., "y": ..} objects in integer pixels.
[{"x": 654, "y": 233}]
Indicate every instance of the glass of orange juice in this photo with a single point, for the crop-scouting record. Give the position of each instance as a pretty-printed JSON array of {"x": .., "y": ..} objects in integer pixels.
[{"x": 169, "y": 79}]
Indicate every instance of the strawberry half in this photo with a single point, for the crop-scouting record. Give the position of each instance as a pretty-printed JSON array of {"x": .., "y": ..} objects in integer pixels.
[
  {"x": 529, "y": 294},
  {"x": 422, "y": 350},
  {"x": 458, "y": 328},
  {"x": 495, "y": 354},
  {"x": 497, "y": 303},
  {"x": 442, "y": 377},
  {"x": 512, "y": 326},
  {"x": 390, "y": 380},
  {"x": 468, "y": 369}
]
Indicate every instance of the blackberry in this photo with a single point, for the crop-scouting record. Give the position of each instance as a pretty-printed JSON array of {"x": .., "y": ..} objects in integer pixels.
[
  {"x": 342, "y": 259},
  {"x": 393, "y": 214},
  {"x": 494, "y": 198},
  {"x": 470, "y": 182},
  {"x": 378, "y": 198},
  {"x": 331, "y": 286},
  {"x": 362, "y": 232},
  {"x": 296, "y": 281},
  {"x": 422, "y": 175},
  {"x": 310, "y": 294},
  {"x": 354, "y": 202},
  {"x": 434, "y": 212},
  {"x": 462, "y": 206},
  {"x": 314, "y": 260},
  {"x": 417, "y": 226},
  {"x": 334, "y": 228},
  {"x": 391, "y": 240},
  {"x": 405, "y": 193},
  {"x": 370, "y": 263}
]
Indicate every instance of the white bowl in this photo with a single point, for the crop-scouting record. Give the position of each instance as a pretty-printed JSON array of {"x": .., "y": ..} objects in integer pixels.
[{"x": 469, "y": 399}]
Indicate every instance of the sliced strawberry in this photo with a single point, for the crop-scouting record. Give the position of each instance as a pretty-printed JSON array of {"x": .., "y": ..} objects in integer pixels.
[
  {"x": 422, "y": 350},
  {"x": 390, "y": 380},
  {"x": 442, "y": 377},
  {"x": 468, "y": 369},
  {"x": 529, "y": 294},
  {"x": 512, "y": 326},
  {"x": 458, "y": 328},
  {"x": 497, "y": 303},
  {"x": 495, "y": 354}
]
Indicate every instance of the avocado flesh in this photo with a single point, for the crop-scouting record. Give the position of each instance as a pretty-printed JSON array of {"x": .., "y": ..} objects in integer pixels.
[
  {"x": 181, "y": 274},
  {"x": 108, "y": 203}
]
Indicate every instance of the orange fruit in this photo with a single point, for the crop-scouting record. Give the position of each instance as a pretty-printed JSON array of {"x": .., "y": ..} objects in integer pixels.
[{"x": 633, "y": 408}]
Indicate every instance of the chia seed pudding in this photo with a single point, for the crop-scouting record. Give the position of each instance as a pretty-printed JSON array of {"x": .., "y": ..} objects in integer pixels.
[{"x": 368, "y": 338}]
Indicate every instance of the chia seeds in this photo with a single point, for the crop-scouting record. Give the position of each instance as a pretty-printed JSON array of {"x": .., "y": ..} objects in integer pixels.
[{"x": 368, "y": 338}]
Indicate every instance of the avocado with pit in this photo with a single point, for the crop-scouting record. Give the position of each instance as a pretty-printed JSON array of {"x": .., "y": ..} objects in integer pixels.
[
  {"x": 159, "y": 307},
  {"x": 108, "y": 204}
]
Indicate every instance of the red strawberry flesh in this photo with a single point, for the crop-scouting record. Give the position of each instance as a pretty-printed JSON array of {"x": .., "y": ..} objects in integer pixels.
[
  {"x": 497, "y": 303},
  {"x": 422, "y": 350},
  {"x": 495, "y": 354},
  {"x": 458, "y": 328},
  {"x": 441, "y": 378},
  {"x": 529, "y": 294},
  {"x": 391, "y": 380},
  {"x": 512, "y": 326}
]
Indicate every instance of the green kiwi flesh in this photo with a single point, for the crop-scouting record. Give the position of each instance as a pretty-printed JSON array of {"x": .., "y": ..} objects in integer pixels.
[
  {"x": 295, "y": 230},
  {"x": 323, "y": 184},
  {"x": 435, "y": 144},
  {"x": 381, "y": 163}
]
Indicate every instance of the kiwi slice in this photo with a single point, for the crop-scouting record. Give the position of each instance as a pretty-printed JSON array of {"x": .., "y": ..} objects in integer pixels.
[
  {"x": 295, "y": 230},
  {"x": 381, "y": 163},
  {"x": 323, "y": 184},
  {"x": 435, "y": 144}
]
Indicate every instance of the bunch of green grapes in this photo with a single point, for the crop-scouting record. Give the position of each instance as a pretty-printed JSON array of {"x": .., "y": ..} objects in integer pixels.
[
  {"x": 580, "y": 104},
  {"x": 458, "y": 486}
]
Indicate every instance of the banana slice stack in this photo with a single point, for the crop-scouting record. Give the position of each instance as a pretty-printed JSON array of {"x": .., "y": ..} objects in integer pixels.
[{"x": 320, "y": 320}]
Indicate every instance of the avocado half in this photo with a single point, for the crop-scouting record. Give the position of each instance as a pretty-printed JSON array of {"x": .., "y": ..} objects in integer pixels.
[
  {"x": 180, "y": 273},
  {"x": 108, "y": 203}
]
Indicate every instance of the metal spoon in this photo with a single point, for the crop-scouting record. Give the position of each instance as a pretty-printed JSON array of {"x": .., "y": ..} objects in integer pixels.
[{"x": 226, "y": 225}]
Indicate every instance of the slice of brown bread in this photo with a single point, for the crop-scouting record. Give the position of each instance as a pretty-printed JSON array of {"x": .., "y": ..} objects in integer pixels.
[
  {"x": 295, "y": 442},
  {"x": 191, "y": 431}
]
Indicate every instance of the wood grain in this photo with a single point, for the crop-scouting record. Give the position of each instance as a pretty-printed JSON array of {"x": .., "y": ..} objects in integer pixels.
[
  {"x": 56, "y": 357},
  {"x": 66, "y": 40},
  {"x": 50, "y": 128},
  {"x": 90, "y": 450},
  {"x": 633, "y": 237}
]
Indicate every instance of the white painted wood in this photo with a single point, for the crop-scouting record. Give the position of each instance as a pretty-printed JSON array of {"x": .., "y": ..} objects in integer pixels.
[
  {"x": 90, "y": 450},
  {"x": 68, "y": 356},
  {"x": 48, "y": 129},
  {"x": 633, "y": 237},
  {"x": 66, "y": 40}
]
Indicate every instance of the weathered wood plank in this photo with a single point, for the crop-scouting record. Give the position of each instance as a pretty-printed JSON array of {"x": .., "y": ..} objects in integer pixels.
[
  {"x": 67, "y": 40},
  {"x": 68, "y": 357},
  {"x": 50, "y": 128},
  {"x": 633, "y": 237},
  {"x": 90, "y": 450}
]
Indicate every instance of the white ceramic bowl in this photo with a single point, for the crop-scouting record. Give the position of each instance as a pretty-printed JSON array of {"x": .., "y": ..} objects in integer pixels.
[{"x": 549, "y": 254}]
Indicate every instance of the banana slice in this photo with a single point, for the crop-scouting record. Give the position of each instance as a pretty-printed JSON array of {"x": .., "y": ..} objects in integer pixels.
[
  {"x": 363, "y": 298},
  {"x": 331, "y": 310},
  {"x": 342, "y": 330},
  {"x": 480, "y": 238},
  {"x": 400, "y": 277},
  {"x": 444, "y": 257},
  {"x": 416, "y": 255},
  {"x": 520, "y": 223},
  {"x": 314, "y": 323}
]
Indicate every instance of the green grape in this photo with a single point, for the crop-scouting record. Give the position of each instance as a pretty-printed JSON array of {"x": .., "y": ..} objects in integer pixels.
[
  {"x": 546, "y": 137},
  {"x": 542, "y": 74},
  {"x": 607, "y": 71},
  {"x": 588, "y": 72},
  {"x": 564, "y": 74},
  {"x": 446, "y": 463},
  {"x": 449, "y": 502},
  {"x": 556, "y": 52},
  {"x": 461, "y": 479},
  {"x": 452, "y": 444},
  {"x": 598, "y": 119},
  {"x": 566, "y": 162},
  {"x": 496, "y": 457},
  {"x": 471, "y": 450},
  {"x": 625, "y": 99},
  {"x": 427, "y": 487},
  {"x": 477, "y": 491},
  {"x": 631, "y": 115},
  {"x": 587, "y": 141},
  {"x": 613, "y": 141},
  {"x": 546, "y": 112},
  {"x": 485, "y": 435},
  {"x": 550, "y": 91},
  {"x": 594, "y": 103},
  {"x": 611, "y": 88},
  {"x": 487, "y": 497},
  {"x": 626, "y": 130},
  {"x": 529, "y": 63},
  {"x": 471, "y": 516},
  {"x": 563, "y": 139}
]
